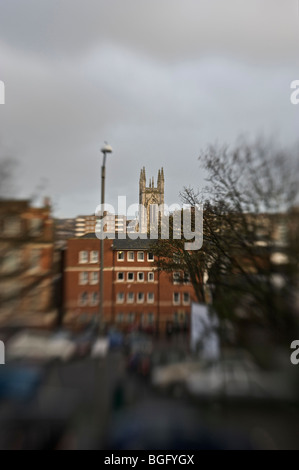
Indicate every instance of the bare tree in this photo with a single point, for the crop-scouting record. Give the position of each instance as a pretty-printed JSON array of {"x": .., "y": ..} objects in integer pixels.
[{"x": 249, "y": 256}]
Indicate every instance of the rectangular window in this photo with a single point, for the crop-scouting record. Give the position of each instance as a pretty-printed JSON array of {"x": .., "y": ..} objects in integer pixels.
[
  {"x": 140, "y": 277},
  {"x": 120, "y": 256},
  {"x": 151, "y": 277},
  {"x": 130, "y": 277},
  {"x": 83, "y": 278},
  {"x": 120, "y": 298},
  {"x": 83, "y": 299},
  {"x": 130, "y": 298},
  {"x": 151, "y": 318},
  {"x": 150, "y": 257},
  {"x": 120, "y": 277},
  {"x": 186, "y": 278},
  {"x": 186, "y": 298},
  {"x": 140, "y": 297},
  {"x": 35, "y": 227},
  {"x": 140, "y": 256},
  {"x": 12, "y": 226},
  {"x": 83, "y": 257},
  {"x": 35, "y": 257},
  {"x": 176, "y": 278},
  {"x": 131, "y": 256},
  {"x": 150, "y": 298},
  {"x": 119, "y": 317},
  {"x": 94, "y": 278},
  {"x": 10, "y": 262},
  {"x": 94, "y": 298},
  {"x": 131, "y": 317},
  {"x": 176, "y": 298},
  {"x": 94, "y": 256}
]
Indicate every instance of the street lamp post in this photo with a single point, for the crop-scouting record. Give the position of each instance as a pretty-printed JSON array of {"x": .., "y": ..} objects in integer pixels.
[{"x": 106, "y": 149}]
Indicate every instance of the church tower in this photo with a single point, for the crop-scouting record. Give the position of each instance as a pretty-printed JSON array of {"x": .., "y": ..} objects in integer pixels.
[{"x": 150, "y": 197}]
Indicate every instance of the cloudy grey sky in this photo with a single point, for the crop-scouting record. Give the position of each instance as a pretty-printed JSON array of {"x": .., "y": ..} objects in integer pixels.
[{"x": 159, "y": 80}]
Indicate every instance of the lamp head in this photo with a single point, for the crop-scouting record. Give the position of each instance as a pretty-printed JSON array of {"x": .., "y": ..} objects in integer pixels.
[{"x": 106, "y": 149}]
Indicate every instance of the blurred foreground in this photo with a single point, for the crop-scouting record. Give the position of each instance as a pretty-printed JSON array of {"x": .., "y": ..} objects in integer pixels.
[{"x": 135, "y": 391}]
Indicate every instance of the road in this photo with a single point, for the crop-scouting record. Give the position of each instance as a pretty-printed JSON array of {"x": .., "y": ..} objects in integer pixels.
[{"x": 96, "y": 404}]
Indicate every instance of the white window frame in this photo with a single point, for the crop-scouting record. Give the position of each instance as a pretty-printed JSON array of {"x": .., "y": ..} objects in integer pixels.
[
  {"x": 150, "y": 301},
  {"x": 186, "y": 302},
  {"x": 130, "y": 280},
  {"x": 148, "y": 259},
  {"x": 149, "y": 275},
  {"x": 128, "y": 256},
  {"x": 130, "y": 300},
  {"x": 118, "y": 279},
  {"x": 81, "y": 261},
  {"x": 85, "y": 281},
  {"x": 140, "y": 260},
  {"x": 176, "y": 281},
  {"x": 92, "y": 281},
  {"x": 118, "y": 256},
  {"x": 142, "y": 274},
  {"x": 93, "y": 302},
  {"x": 178, "y": 302},
  {"x": 94, "y": 256},
  {"x": 138, "y": 300},
  {"x": 83, "y": 304},
  {"x": 118, "y": 300}
]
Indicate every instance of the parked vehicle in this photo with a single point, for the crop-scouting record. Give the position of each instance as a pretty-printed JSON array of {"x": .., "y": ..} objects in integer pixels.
[
  {"x": 39, "y": 346},
  {"x": 100, "y": 348},
  {"x": 237, "y": 380},
  {"x": 172, "y": 378}
]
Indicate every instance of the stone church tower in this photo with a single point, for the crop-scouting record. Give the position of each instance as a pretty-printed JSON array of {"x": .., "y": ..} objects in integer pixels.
[{"x": 149, "y": 197}]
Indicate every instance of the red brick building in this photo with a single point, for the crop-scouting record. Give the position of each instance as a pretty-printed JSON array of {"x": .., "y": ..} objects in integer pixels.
[
  {"x": 26, "y": 264},
  {"x": 134, "y": 292}
]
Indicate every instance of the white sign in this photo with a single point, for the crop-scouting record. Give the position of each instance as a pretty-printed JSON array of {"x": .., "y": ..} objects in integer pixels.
[
  {"x": 2, "y": 353},
  {"x": 204, "y": 336}
]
